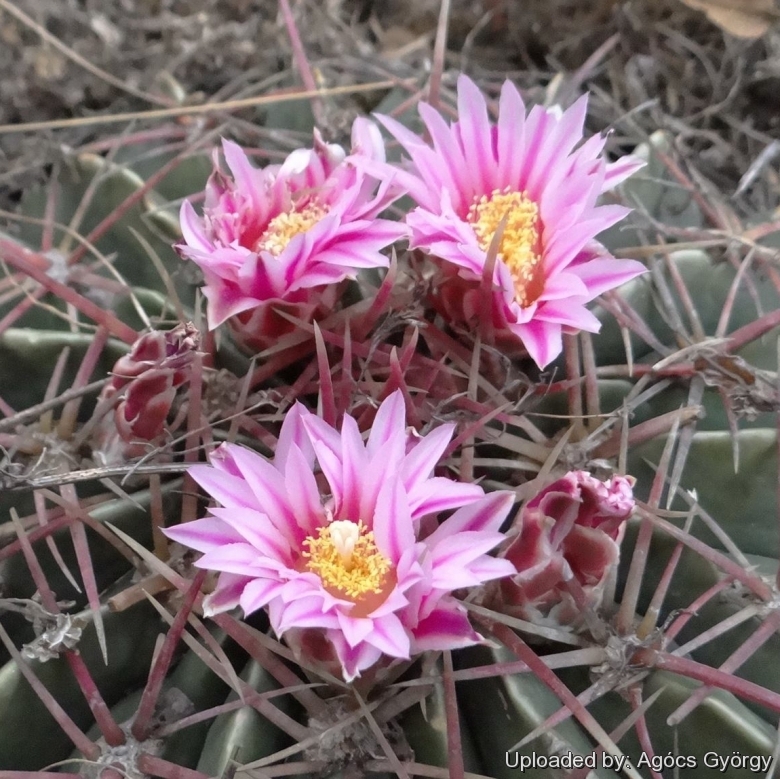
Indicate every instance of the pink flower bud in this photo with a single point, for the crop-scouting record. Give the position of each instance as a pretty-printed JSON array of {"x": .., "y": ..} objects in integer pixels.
[
  {"x": 148, "y": 377},
  {"x": 571, "y": 530}
]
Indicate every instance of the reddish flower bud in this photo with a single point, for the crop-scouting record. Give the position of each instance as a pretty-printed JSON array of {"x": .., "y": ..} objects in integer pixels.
[
  {"x": 571, "y": 530},
  {"x": 148, "y": 377}
]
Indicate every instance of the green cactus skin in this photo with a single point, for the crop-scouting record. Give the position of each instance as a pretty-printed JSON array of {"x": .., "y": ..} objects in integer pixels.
[
  {"x": 497, "y": 712},
  {"x": 243, "y": 735},
  {"x": 130, "y": 638}
]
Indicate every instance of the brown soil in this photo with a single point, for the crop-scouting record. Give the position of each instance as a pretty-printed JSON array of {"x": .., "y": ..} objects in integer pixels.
[{"x": 649, "y": 64}]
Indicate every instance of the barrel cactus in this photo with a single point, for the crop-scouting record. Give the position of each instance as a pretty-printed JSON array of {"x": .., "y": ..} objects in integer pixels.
[{"x": 339, "y": 466}]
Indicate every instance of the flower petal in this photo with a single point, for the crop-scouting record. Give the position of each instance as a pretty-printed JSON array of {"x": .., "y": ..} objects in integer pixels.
[
  {"x": 267, "y": 485},
  {"x": 439, "y": 494},
  {"x": 447, "y": 627},
  {"x": 568, "y": 314},
  {"x": 392, "y": 521},
  {"x": 256, "y": 528},
  {"x": 302, "y": 492},
  {"x": 302, "y": 613},
  {"x": 475, "y": 134},
  {"x": 203, "y": 534},
  {"x": 226, "y": 594},
  {"x": 293, "y": 432},
  {"x": 426, "y": 453},
  {"x": 240, "y": 558},
  {"x": 192, "y": 231},
  {"x": 542, "y": 340},
  {"x": 354, "y": 629},
  {"x": 353, "y": 660},
  {"x": 258, "y": 593},
  {"x": 390, "y": 637},
  {"x": 451, "y": 559},
  {"x": 602, "y": 275},
  {"x": 487, "y": 514},
  {"x": 390, "y": 420},
  {"x": 511, "y": 136}
]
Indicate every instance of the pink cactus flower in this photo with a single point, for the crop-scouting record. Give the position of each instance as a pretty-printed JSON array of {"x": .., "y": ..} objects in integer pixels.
[
  {"x": 531, "y": 174},
  {"x": 281, "y": 234},
  {"x": 571, "y": 530},
  {"x": 348, "y": 556}
]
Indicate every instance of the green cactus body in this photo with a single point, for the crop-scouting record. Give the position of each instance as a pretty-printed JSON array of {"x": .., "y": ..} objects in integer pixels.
[{"x": 513, "y": 424}]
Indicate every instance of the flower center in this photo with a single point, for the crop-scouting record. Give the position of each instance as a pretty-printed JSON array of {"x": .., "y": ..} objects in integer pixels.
[
  {"x": 520, "y": 248},
  {"x": 345, "y": 556},
  {"x": 285, "y": 226}
]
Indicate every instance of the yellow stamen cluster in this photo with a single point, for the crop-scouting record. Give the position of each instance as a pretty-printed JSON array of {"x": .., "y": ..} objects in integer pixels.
[
  {"x": 520, "y": 246},
  {"x": 285, "y": 226},
  {"x": 345, "y": 556}
]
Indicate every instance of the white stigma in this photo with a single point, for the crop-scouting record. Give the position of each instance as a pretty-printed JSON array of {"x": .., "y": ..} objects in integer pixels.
[{"x": 344, "y": 535}]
